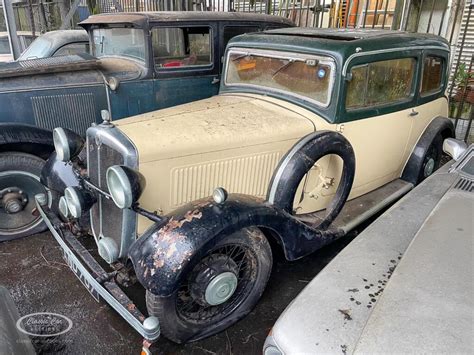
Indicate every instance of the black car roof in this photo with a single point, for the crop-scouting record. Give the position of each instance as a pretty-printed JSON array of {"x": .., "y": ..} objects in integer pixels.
[{"x": 141, "y": 19}]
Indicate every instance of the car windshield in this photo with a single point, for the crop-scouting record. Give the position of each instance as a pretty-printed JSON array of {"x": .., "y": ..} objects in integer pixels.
[
  {"x": 122, "y": 42},
  {"x": 4, "y": 46},
  {"x": 307, "y": 76},
  {"x": 40, "y": 48}
]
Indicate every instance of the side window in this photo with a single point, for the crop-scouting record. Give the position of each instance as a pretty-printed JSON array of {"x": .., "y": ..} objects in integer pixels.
[
  {"x": 380, "y": 83},
  {"x": 175, "y": 47},
  {"x": 72, "y": 48},
  {"x": 431, "y": 81},
  {"x": 232, "y": 31}
]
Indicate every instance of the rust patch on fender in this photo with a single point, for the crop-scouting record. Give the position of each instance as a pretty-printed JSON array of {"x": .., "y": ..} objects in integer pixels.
[{"x": 170, "y": 244}]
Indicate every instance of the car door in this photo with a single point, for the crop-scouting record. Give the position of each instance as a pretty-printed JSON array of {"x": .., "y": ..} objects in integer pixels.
[
  {"x": 379, "y": 104},
  {"x": 185, "y": 61},
  {"x": 432, "y": 101}
]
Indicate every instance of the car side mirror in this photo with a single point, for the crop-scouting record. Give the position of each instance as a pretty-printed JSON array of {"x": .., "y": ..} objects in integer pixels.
[{"x": 454, "y": 148}]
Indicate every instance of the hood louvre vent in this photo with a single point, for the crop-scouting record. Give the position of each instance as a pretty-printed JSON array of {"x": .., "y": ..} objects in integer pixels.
[{"x": 465, "y": 185}]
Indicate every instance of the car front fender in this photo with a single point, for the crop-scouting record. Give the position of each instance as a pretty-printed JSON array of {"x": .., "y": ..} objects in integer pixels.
[
  {"x": 57, "y": 175},
  {"x": 26, "y": 138},
  {"x": 168, "y": 249}
]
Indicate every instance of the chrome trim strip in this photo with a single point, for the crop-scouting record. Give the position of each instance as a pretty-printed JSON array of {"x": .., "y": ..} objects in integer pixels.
[
  {"x": 380, "y": 51},
  {"x": 96, "y": 285},
  {"x": 282, "y": 167}
]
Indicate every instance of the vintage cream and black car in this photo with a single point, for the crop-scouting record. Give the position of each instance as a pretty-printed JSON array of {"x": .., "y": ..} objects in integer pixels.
[
  {"x": 313, "y": 132},
  {"x": 141, "y": 62}
]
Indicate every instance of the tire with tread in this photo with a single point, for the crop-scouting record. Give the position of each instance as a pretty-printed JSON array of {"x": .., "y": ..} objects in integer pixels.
[
  {"x": 31, "y": 164},
  {"x": 180, "y": 330},
  {"x": 435, "y": 152}
]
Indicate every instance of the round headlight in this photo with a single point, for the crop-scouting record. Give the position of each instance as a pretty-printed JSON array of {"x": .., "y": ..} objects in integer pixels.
[
  {"x": 78, "y": 201},
  {"x": 67, "y": 143},
  {"x": 73, "y": 201},
  {"x": 125, "y": 185},
  {"x": 62, "y": 206},
  {"x": 61, "y": 144}
]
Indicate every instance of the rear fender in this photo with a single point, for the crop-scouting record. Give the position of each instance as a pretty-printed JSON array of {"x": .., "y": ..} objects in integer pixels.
[
  {"x": 440, "y": 125},
  {"x": 167, "y": 250}
]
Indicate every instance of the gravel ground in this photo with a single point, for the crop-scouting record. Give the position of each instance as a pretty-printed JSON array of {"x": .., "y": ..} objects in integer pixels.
[{"x": 39, "y": 281}]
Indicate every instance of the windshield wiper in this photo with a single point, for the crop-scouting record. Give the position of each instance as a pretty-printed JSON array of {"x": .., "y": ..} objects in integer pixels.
[{"x": 283, "y": 67}]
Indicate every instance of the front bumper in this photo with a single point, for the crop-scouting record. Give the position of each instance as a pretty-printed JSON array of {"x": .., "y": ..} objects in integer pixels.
[{"x": 97, "y": 281}]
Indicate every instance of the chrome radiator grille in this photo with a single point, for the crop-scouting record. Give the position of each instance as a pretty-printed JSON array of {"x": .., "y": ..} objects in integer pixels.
[
  {"x": 100, "y": 158},
  {"x": 107, "y": 147}
]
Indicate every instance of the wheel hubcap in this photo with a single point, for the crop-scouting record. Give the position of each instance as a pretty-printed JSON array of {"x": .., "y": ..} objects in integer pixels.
[
  {"x": 13, "y": 200},
  {"x": 429, "y": 167},
  {"x": 17, "y": 205},
  {"x": 221, "y": 288}
]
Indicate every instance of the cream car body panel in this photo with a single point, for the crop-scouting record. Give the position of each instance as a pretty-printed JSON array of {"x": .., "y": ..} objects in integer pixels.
[
  {"x": 184, "y": 165},
  {"x": 186, "y": 151},
  {"x": 375, "y": 141}
]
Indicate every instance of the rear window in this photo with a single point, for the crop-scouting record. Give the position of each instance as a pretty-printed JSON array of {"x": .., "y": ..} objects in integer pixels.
[{"x": 380, "y": 83}]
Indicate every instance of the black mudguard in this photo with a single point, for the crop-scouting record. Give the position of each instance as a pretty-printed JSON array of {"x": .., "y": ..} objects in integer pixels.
[
  {"x": 26, "y": 138},
  {"x": 165, "y": 252},
  {"x": 57, "y": 175},
  {"x": 162, "y": 256},
  {"x": 440, "y": 125}
]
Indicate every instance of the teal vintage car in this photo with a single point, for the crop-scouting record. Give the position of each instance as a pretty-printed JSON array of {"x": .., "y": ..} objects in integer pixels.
[{"x": 140, "y": 62}]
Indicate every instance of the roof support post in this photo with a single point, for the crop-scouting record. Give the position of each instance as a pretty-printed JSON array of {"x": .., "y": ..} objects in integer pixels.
[{"x": 11, "y": 28}]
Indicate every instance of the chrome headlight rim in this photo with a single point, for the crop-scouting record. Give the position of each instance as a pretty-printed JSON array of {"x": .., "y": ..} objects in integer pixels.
[
  {"x": 125, "y": 185},
  {"x": 63, "y": 207},
  {"x": 68, "y": 144},
  {"x": 61, "y": 144},
  {"x": 120, "y": 188},
  {"x": 74, "y": 201}
]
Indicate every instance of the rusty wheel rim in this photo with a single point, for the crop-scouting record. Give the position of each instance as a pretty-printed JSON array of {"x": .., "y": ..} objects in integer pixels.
[{"x": 191, "y": 304}]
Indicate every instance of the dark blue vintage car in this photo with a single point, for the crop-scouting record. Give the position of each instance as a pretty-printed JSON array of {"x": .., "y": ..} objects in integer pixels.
[{"x": 139, "y": 62}]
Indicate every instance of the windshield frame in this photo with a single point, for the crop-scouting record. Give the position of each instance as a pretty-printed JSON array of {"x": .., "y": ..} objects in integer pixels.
[
  {"x": 142, "y": 61},
  {"x": 280, "y": 54}
]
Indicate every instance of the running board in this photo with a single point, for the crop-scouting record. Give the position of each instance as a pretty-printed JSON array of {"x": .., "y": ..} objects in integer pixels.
[{"x": 363, "y": 207}]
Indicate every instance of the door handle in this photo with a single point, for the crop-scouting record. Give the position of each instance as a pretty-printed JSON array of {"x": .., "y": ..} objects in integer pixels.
[
  {"x": 413, "y": 112},
  {"x": 215, "y": 80}
]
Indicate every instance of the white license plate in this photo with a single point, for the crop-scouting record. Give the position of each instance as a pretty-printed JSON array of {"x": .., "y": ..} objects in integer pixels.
[{"x": 77, "y": 271}]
